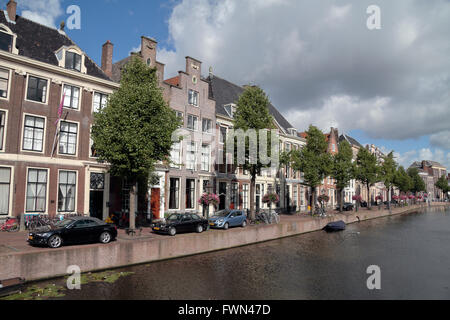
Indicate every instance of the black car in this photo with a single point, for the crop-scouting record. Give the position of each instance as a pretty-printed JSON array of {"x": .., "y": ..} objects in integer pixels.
[
  {"x": 178, "y": 223},
  {"x": 72, "y": 231},
  {"x": 346, "y": 206}
]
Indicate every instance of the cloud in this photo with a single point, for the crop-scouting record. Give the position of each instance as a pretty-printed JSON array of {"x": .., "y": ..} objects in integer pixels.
[
  {"x": 407, "y": 158},
  {"x": 320, "y": 64},
  {"x": 42, "y": 11},
  {"x": 441, "y": 140}
]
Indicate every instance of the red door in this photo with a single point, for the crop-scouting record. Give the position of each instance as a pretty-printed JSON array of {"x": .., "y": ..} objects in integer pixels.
[{"x": 155, "y": 203}]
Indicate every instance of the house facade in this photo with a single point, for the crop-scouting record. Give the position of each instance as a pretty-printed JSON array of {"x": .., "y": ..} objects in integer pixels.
[
  {"x": 47, "y": 164},
  {"x": 430, "y": 172}
]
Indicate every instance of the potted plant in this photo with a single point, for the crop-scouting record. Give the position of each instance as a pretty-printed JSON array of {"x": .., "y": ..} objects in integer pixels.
[{"x": 208, "y": 200}]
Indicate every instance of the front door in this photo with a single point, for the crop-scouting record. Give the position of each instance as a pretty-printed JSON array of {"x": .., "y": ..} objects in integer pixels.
[
  {"x": 155, "y": 203},
  {"x": 222, "y": 195},
  {"x": 96, "y": 204}
]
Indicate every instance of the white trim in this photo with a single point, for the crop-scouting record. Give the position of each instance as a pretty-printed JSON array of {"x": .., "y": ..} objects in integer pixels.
[
  {"x": 93, "y": 98},
  {"x": 9, "y": 83},
  {"x": 179, "y": 194},
  {"x": 48, "y": 160},
  {"x": 11, "y": 190},
  {"x": 47, "y": 93},
  {"x": 73, "y": 49},
  {"x": 106, "y": 189},
  {"x": 46, "y": 195},
  {"x": 80, "y": 98},
  {"x": 22, "y": 135},
  {"x": 59, "y": 139},
  {"x": 14, "y": 49},
  {"x": 76, "y": 192},
  {"x": 3, "y": 150}
]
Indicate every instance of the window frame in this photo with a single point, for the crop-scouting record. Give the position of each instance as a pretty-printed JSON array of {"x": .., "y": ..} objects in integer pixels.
[
  {"x": 195, "y": 129},
  {"x": 46, "y": 190},
  {"x": 75, "y": 197},
  {"x": 192, "y": 194},
  {"x": 191, "y": 153},
  {"x": 77, "y": 138},
  {"x": 177, "y": 193},
  {"x": 203, "y": 157},
  {"x": 210, "y": 122},
  {"x": 74, "y": 54},
  {"x": 80, "y": 90},
  {"x": 101, "y": 96},
  {"x": 195, "y": 94},
  {"x": 177, "y": 165},
  {"x": 8, "y": 83},
  {"x": 4, "y": 126},
  {"x": 11, "y": 184},
  {"x": 25, "y": 115},
  {"x": 47, "y": 90}
]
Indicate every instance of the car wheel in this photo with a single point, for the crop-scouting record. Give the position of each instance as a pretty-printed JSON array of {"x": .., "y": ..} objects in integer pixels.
[
  {"x": 199, "y": 228},
  {"x": 105, "y": 237},
  {"x": 226, "y": 226},
  {"x": 172, "y": 231},
  {"x": 55, "y": 242},
  {"x": 244, "y": 224}
]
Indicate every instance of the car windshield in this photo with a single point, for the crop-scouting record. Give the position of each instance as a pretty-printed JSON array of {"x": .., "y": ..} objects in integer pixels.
[
  {"x": 63, "y": 223},
  {"x": 174, "y": 217},
  {"x": 222, "y": 213}
]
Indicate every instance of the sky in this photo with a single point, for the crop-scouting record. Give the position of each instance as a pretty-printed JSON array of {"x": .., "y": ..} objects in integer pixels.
[{"x": 317, "y": 60}]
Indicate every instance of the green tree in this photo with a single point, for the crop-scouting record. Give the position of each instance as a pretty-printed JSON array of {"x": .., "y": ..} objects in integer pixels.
[
  {"x": 367, "y": 170},
  {"x": 402, "y": 180},
  {"x": 135, "y": 129},
  {"x": 342, "y": 169},
  {"x": 442, "y": 184},
  {"x": 417, "y": 185},
  {"x": 252, "y": 114},
  {"x": 313, "y": 160},
  {"x": 387, "y": 174}
]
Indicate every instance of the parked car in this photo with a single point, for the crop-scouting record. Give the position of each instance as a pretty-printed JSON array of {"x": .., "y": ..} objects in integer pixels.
[
  {"x": 178, "y": 223},
  {"x": 227, "y": 218},
  {"x": 73, "y": 230},
  {"x": 348, "y": 206},
  {"x": 364, "y": 204}
]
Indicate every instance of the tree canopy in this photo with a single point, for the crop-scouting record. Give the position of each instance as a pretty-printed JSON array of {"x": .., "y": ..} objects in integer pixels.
[
  {"x": 342, "y": 169},
  {"x": 367, "y": 170}
]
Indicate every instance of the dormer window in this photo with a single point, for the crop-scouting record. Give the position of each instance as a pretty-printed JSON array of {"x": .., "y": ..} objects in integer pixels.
[
  {"x": 230, "y": 109},
  {"x": 73, "y": 61},
  {"x": 6, "y": 40}
]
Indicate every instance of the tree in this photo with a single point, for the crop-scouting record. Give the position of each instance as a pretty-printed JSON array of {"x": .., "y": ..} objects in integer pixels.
[
  {"x": 313, "y": 160},
  {"x": 252, "y": 114},
  {"x": 387, "y": 174},
  {"x": 342, "y": 169},
  {"x": 402, "y": 180},
  {"x": 135, "y": 129},
  {"x": 417, "y": 183},
  {"x": 442, "y": 184},
  {"x": 367, "y": 170}
]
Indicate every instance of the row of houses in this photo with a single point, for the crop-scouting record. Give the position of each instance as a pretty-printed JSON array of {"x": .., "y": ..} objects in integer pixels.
[
  {"x": 49, "y": 165},
  {"x": 430, "y": 172}
]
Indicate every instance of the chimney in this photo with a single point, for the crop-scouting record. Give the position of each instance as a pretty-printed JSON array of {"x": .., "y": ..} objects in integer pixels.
[
  {"x": 11, "y": 8},
  {"x": 107, "y": 55}
]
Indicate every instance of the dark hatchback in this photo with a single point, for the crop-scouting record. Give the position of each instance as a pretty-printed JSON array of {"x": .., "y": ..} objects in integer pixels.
[
  {"x": 347, "y": 206},
  {"x": 179, "y": 223},
  {"x": 73, "y": 231}
]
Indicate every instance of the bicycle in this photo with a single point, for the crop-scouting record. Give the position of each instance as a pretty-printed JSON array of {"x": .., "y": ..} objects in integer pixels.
[{"x": 319, "y": 211}]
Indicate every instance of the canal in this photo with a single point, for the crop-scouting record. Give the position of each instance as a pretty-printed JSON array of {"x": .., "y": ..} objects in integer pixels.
[{"x": 413, "y": 252}]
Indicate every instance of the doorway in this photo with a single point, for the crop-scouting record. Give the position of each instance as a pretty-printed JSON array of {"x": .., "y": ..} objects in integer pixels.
[
  {"x": 222, "y": 195},
  {"x": 155, "y": 203},
  {"x": 96, "y": 195}
]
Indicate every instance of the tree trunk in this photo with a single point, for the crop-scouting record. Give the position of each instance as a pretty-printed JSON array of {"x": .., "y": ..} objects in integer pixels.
[
  {"x": 313, "y": 199},
  {"x": 132, "y": 215},
  {"x": 252, "y": 197},
  {"x": 368, "y": 197},
  {"x": 341, "y": 200}
]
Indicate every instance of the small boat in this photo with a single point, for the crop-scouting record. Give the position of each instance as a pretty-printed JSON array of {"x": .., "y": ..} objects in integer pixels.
[
  {"x": 335, "y": 226},
  {"x": 11, "y": 286}
]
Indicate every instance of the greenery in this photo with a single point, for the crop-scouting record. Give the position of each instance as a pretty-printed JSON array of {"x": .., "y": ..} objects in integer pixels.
[
  {"x": 367, "y": 170},
  {"x": 134, "y": 131},
  {"x": 417, "y": 183},
  {"x": 342, "y": 170},
  {"x": 313, "y": 160},
  {"x": 442, "y": 184},
  {"x": 402, "y": 180},
  {"x": 387, "y": 174},
  {"x": 252, "y": 113}
]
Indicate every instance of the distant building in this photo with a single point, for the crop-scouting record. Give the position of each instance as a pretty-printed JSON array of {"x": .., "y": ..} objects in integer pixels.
[
  {"x": 430, "y": 172},
  {"x": 354, "y": 187}
]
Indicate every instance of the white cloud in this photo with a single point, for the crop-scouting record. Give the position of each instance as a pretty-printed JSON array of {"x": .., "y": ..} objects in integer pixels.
[
  {"x": 320, "y": 64},
  {"x": 441, "y": 140},
  {"x": 407, "y": 158},
  {"x": 42, "y": 11}
]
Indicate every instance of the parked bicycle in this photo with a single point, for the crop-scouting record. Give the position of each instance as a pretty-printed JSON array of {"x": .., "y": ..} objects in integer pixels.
[
  {"x": 320, "y": 211},
  {"x": 267, "y": 217}
]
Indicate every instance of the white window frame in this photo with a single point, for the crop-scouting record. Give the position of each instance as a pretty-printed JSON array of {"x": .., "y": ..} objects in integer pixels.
[
  {"x": 5, "y": 129},
  {"x": 11, "y": 190},
  {"x": 208, "y": 158},
  {"x": 195, "y": 124},
  {"x": 220, "y": 134},
  {"x": 179, "y": 193},
  {"x": 93, "y": 100},
  {"x": 47, "y": 191},
  {"x": 47, "y": 93},
  {"x": 80, "y": 96},
  {"x": 211, "y": 127},
  {"x": 176, "y": 165},
  {"x": 22, "y": 136},
  {"x": 76, "y": 191},
  {"x": 194, "y": 195},
  {"x": 59, "y": 139},
  {"x": 7, "y": 30},
  {"x": 195, "y": 102},
  {"x": 191, "y": 153},
  {"x": 8, "y": 90}
]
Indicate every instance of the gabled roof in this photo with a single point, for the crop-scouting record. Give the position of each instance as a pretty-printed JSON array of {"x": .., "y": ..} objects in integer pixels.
[
  {"x": 175, "y": 81},
  {"x": 350, "y": 140},
  {"x": 39, "y": 42},
  {"x": 225, "y": 92}
]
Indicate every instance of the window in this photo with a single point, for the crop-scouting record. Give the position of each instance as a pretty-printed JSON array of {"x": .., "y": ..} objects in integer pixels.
[
  {"x": 230, "y": 109},
  {"x": 2, "y": 128},
  {"x": 235, "y": 195},
  {"x": 66, "y": 191},
  {"x": 288, "y": 147},
  {"x": 190, "y": 193},
  {"x": 223, "y": 135},
  {"x": 6, "y": 41},
  {"x": 192, "y": 123},
  {"x": 71, "y": 97},
  {"x": 126, "y": 187},
  {"x": 36, "y": 191},
  {"x": 190, "y": 156},
  {"x": 5, "y": 184},
  {"x": 193, "y": 98},
  {"x": 33, "y": 136},
  {"x": 37, "y": 89},
  {"x": 4, "y": 80},
  {"x": 97, "y": 181},
  {"x": 295, "y": 196},
  {"x": 207, "y": 126},
  {"x": 180, "y": 116},
  {"x": 175, "y": 155},
  {"x": 100, "y": 101},
  {"x": 205, "y": 157},
  {"x": 68, "y": 138},
  {"x": 73, "y": 61},
  {"x": 245, "y": 196},
  {"x": 174, "y": 193}
]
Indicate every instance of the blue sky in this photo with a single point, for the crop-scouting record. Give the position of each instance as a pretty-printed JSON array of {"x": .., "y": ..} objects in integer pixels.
[{"x": 317, "y": 60}]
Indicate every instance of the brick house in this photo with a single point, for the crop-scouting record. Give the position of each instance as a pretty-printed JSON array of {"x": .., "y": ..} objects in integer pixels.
[
  {"x": 46, "y": 166},
  {"x": 431, "y": 171}
]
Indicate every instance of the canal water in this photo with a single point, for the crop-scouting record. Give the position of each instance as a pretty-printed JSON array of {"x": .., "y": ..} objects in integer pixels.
[{"x": 412, "y": 251}]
